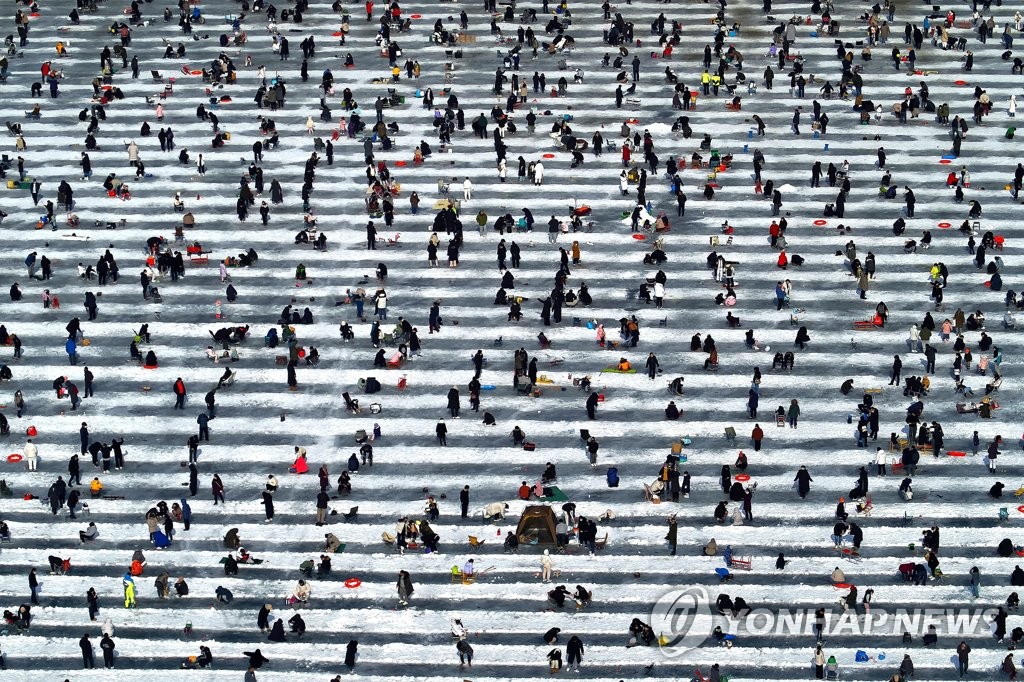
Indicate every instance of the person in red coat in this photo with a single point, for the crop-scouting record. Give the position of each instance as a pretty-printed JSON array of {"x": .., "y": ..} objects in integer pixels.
[
  {"x": 757, "y": 435},
  {"x": 179, "y": 394}
]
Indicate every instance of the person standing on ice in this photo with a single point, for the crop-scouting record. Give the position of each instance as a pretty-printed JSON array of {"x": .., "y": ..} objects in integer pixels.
[
  {"x": 652, "y": 366},
  {"x": 453, "y": 402},
  {"x": 128, "y": 583},
  {"x": 179, "y": 394},
  {"x": 803, "y": 482},
  {"x": 574, "y": 653},
  {"x": 31, "y": 454},
  {"x": 405, "y": 588}
]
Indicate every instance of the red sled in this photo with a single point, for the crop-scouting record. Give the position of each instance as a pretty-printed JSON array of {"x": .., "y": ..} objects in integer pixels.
[
  {"x": 529, "y": 447},
  {"x": 956, "y": 453}
]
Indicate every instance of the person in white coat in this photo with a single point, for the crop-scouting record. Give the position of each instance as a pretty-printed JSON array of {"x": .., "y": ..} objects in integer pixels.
[
  {"x": 1012, "y": 109},
  {"x": 107, "y": 628},
  {"x": 31, "y": 455},
  {"x": 659, "y": 294},
  {"x": 623, "y": 183},
  {"x": 545, "y": 567},
  {"x": 915, "y": 339},
  {"x": 502, "y": 170},
  {"x": 880, "y": 461},
  {"x": 467, "y": 190},
  {"x": 310, "y": 125},
  {"x": 538, "y": 174}
]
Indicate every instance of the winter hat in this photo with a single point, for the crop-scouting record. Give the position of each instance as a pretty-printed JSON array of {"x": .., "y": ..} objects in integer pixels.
[{"x": 545, "y": 552}]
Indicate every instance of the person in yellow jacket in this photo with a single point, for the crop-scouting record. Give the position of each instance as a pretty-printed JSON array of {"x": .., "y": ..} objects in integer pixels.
[
  {"x": 716, "y": 81},
  {"x": 129, "y": 591},
  {"x": 96, "y": 487},
  {"x": 705, "y": 81}
]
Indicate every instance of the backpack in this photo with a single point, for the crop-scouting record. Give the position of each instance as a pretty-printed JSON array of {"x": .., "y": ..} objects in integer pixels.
[
  {"x": 613, "y": 477},
  {"x": 66, "y": 565},
  {"x": 862, "y": 656}
]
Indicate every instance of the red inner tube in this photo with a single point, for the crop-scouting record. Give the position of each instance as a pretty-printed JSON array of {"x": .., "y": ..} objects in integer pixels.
[
  {"x": 353, "y": 582},
  {"x": 14, "y": 458},
  {"x": 742, "y": 478},
  {"x": 819, "y": 222}
]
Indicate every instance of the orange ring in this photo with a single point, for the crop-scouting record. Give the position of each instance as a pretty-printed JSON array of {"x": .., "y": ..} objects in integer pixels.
[
  {"x": 1021, "y": 509},
  {"x": 549, "y": 156},
  {"x": 819, "y": 222},
  {"x": 14, "y": 458},
  {"x": 961, "y": 83},
  {"x": 945, "y": 226},
  {"x": 639, "y": 237},
  {"x": 415, "y": 16},
  {"x": 742, "y": 478},
  {"x": 945, "y": 161},
  {"x": 196, "y": 72},
  {"x": 352, "y": 583}
]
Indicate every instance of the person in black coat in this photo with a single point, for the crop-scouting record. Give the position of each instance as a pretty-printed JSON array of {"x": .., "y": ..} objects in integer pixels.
[
  {"x": 803, "y": 481},
  {"x": 277, "y": 631},
  {"x": 256, "y": 658},
  {"x": 1017, "y": 577},
  {"x": 350, "y": 654},
  {"x": 592, "y": 406},
  {"x": 297, "y": 624},
  {"x": 453, "y": 402},
  {"x": 574, "y": 653},
  {"x": 268, "y": 503},
  {"x": 107, "y": 644},
  {"x": 88, "y": 660}
]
